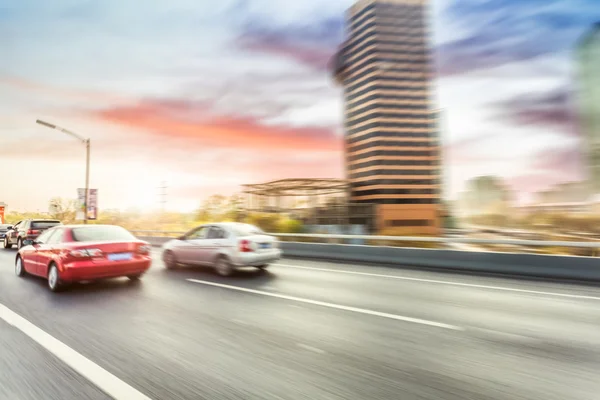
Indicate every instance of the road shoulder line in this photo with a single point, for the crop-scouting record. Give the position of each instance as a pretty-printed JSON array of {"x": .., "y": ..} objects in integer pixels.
[
  {"x": 104, "y": 380},
  {"x": 332, "y": 305}
]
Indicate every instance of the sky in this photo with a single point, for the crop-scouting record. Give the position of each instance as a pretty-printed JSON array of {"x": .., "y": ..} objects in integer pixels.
[{"x": 206, "y": 96}]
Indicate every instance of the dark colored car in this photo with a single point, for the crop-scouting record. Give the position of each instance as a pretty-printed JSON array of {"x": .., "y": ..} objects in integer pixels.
[
  {"x": 73, "y": 253},
  {"x": 27, "y": 229},
  {"x": 3, "y": 229}
]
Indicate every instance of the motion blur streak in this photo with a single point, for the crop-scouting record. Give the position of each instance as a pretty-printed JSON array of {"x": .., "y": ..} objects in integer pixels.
[
  {"x": 175, "y": 340},
  {"x": 330, "y": 305},
  {"x": 109, "y": 383}
]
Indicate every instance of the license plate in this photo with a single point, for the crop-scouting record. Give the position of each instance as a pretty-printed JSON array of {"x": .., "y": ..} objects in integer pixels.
[
  {"x": 120, "y": 256},
  {"x": 265, "y": 245}
]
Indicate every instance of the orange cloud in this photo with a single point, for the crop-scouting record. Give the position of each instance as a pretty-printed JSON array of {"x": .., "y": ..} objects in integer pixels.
[{"x": 193, "y": 123}]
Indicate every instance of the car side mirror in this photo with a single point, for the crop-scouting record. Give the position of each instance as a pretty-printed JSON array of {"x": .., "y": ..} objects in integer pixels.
[
  {"x": 10, "y": 228},
  {"x": 29, "y": 242},
  {"x": 182, "y": 237}
]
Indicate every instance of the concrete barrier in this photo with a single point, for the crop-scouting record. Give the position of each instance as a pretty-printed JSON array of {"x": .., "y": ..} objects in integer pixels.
[{"x": 545, "y": 266}]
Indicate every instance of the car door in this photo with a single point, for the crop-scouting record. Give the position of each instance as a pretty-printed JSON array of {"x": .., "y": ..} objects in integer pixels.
[
  {"x": 31, "y": 254},
  {"x": 48, "y": 249},
  {"x": 215, "y": 243},
  {"x": 13, "y": 233},
  {"x": 189, "y": 249}
]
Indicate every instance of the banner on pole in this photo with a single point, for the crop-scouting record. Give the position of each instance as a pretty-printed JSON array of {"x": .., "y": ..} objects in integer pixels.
[
  {"x": 2, "y": 207},
  {"x": 93, "y": 207},
  {"x": 80, "y": 214}
]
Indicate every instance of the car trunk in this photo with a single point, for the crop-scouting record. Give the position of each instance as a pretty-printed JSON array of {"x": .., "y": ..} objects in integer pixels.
[
  {"x": 110, "y": 250},
  {"x": 261, "y": 243}
]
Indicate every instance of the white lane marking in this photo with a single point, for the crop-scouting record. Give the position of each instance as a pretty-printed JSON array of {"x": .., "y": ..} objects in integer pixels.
[
  {"x": 310, "y": 348},
  {"x": 104, "y": 380},
  {"x": 404, "y": 278},
  {"x": 331, "y": 305}
]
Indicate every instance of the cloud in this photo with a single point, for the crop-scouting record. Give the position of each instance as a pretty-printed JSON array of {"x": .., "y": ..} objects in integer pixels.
[
  {"x": 311, "y": 43},
  {"x": 549, "y": 167},
  {"x": 174, "y": 121},
  {"x": 502, "y": 32},
  {"x": 552, "y": 109}
]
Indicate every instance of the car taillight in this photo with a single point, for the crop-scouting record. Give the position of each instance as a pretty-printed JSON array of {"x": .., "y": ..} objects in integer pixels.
[
  {"x": 245, "y": 246},
  {"x": 85, "y": 253},
  {"x": 32, "y": 232},
  {"x": 145, "y": 249}
]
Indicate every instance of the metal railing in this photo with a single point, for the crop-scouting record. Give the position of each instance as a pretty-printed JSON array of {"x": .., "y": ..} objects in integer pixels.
[{"x": 375, "y": 238}]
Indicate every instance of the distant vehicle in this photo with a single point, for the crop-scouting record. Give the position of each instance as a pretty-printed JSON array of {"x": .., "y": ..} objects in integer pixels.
[
  {"x": 27, "y": 229},
  {"x": 72, "y": 253},
  {"x": 3, "y": 229},
  {"x": 223, "y": 246}
]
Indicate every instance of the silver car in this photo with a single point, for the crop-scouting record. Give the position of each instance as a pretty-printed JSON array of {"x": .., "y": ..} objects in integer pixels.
[{"x": 223, "y": 246}]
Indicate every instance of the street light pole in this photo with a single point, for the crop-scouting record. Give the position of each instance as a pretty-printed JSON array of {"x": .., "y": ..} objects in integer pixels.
[{"x": 87, "y": 143}]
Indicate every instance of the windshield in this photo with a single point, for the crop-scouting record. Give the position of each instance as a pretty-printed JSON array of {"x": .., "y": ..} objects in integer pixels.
[
  {"x": 246, "y": 230},
  {"x": 44, "y": 224},
  {"x": 101, "y": 234}
]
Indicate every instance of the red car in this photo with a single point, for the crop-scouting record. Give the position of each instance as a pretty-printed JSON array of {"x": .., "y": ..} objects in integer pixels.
[{"x": 72, "y": 253}]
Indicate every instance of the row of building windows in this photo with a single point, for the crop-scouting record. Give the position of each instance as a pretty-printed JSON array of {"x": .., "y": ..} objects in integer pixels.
[
  {"x": 417, "y": 53},
  {"x": 400, "y": 113},
  {"x": 412, "y": 182},
  {"x": 353, "y": 101},
  {"x": 394, "y": 153},
  {"x": 390, "y": 144},
  {"x": 374, "y": 60},
  {"x": 407, "y": 81},
  {"x": 353, "y": 131},
  {"x": 371, "y": 40},
  {"x": 399, "y": 192},
  {"x": 424, "y": 117},
  {"x": 389, "y": 108},
  {"x": 404, "y": 56},
  {"x": 383, "y": 163},
  {"x": 386, "y": 29},
  {"x": 397, "y": 201},
  {"x": 408, "y": 93},
  {"x": 393, "y": 172},
  {"x": 386, "y": 135},
  {"x": 398, "y": 223},
  {"x": 381, "y": 20},
  {"x": 404, "y": 74}
]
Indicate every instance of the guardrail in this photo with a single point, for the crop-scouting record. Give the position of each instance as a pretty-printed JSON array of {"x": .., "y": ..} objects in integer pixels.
[
  {"x": 443, "y": 240},
  {"x": 533, "y": 265}
]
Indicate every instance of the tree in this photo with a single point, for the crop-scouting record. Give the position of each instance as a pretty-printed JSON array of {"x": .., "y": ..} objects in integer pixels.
[{"x": 63, "y": 210}]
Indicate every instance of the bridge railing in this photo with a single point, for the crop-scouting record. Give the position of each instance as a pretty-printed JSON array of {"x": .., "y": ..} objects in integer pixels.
[{"x": 377, "y": 240}]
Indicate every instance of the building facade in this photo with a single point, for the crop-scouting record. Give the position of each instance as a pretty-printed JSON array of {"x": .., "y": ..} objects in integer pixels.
[
  {"x": 588, "y": 88},
  {"x": 392, "y": 142}
]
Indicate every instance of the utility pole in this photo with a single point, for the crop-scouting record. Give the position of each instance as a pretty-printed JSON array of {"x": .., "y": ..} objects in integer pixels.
[{"x": 86, "y": 142}]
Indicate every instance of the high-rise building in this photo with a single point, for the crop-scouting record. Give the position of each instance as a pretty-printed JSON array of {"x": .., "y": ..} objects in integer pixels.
[
  {"x": 392, "y": 147},
  {"x": 588, "y": 87}
]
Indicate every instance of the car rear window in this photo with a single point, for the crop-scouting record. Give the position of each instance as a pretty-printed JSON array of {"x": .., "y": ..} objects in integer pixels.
[
  {"x": 101, "y": 233},
  {"x": 44, "y": 224},
  {"x": 246, "y": 230}
]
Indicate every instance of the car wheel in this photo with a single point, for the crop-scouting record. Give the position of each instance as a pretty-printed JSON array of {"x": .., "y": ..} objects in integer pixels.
[
  {"x": 19, "y": 243},
  {"x": 7, "y": 244},
  {"x": 54, "y": 283},
  {"x": 19, "y": 268},
  {"x": 134, "y": 277},
  {"x": 223, "y": 266},
  {"x": 169, "y": 260}
]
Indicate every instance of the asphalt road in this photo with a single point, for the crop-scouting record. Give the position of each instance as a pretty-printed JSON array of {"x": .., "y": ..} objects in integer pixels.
[{"x": 302, "y": 330}]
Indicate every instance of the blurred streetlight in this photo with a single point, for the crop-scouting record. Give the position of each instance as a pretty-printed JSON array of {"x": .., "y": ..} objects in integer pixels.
[{"x": 86, "y": 142}]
